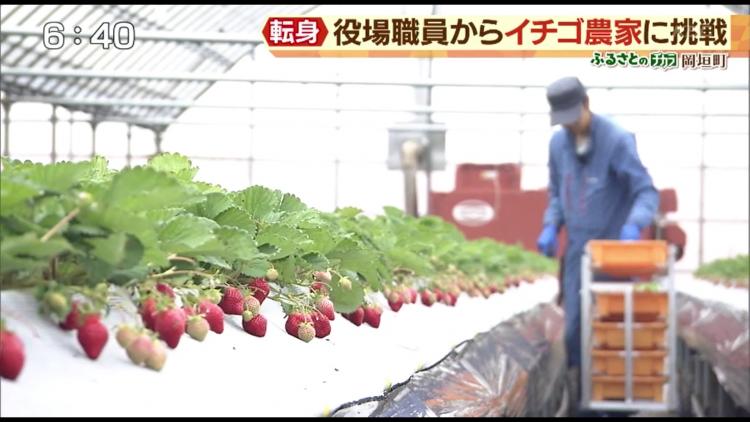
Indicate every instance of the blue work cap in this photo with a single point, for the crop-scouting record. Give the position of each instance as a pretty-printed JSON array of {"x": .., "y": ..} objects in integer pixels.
[{"x": 565, "y": 97}]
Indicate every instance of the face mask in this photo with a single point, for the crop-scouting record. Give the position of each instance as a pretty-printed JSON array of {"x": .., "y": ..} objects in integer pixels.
[{"x": 583, "y": 147}]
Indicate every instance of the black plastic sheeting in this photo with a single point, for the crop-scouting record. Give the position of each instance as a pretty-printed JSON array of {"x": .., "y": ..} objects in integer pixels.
[
  {"x": 719, "y": 332},
  {"x": 515, "y": 369}
]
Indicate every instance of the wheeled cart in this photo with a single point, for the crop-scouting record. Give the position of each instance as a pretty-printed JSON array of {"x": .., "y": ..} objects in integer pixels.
[{"x": 628, "y": 337}]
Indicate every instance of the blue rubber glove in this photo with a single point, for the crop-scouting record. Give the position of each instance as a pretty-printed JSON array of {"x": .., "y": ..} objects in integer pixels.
[
  {"x": 630, "y": 232},
  {"x": 547, "y": 242}
]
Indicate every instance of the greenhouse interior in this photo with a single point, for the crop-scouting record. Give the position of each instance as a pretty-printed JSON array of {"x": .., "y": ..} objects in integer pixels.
[{"x": 186, "y": 212}]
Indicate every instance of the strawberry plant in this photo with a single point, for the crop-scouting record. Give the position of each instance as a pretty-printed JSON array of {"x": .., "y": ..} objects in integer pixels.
[
  {"x": 188, "y": 253},
  {"x": 728, "y": 270}
]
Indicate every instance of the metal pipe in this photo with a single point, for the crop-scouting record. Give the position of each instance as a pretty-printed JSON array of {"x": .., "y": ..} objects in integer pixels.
[
  {"x": 149, "y": 35},
  {"x": 113, "y": 102},
  {"x": 108, "y": 74},
  {"x": 628, "y": 343},
  {"x": 672, "y": 399},
  {"x": 167, "y": 122},
  {"x": 94, "y": 125},
  {"x": 585, "y": 292},
  {"x": 129, "y": 156},
  {"x": 151, "y": 122},
  {"x": 337, "y": 162},
  {"x": 175, "y": 56},
  {"x": 410, "y": 153},
  {"x": 53, "y": 86},
  {"x": 636, "y": 407},
  {"x": 6, "y": 103},
  {"x": 702, "y": 185},
  {"x": 13, "y": 11},
  {"x": 70, "y": 136},
  {"x": 157, "y": 140},
  {"x": 53, "y": 119},
  {"x": 251, "y": 139}
]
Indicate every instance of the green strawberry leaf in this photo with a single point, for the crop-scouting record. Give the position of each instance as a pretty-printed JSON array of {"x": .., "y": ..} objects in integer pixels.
[
  {"x": 237, "y": 217},
  {"x": 120, "y": 250},
  {"x": 175, "y": 164},
  {"x": 346, "y": 300},
  {"x": 28, "y": 252},
  {"x": 260, "y": 202},
  {"x": 286, "y": 239},
  {"x": 14, "y": 191},
  {"x": 143, "y": 188}
]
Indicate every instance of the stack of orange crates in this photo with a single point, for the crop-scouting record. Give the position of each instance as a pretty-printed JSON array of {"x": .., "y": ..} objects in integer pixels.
[{"x": 650, "y": 311}]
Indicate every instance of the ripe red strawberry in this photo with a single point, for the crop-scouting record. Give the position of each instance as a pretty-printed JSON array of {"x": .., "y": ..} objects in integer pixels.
[
  {"x": 372, "y": 315},
  {"x": 293, "y": 321},
  {"x": 395, "y": 301},
  {"x": 170, "y": 324},
  {"x": 92, "y": 336},
  {"x": 319, "y": 286},
  {"x": 357, "y": 317},
  {"x": 255, "y": 326},
  {"x": 140, "y": 349},
  {"x": 73, "y": 320},
  {"x": 213, "y": 314},
  {"x": 405, "y": 296},
  {"x": 232, "y": 302},
  {"x": 486, "y": 292},
  {"x": 148, "y": 312},
  {"x": 306, "y": 332},
  {"x": 428, "y": 298},
  {"x": 247, "y": 315},
  {"x": 322, "y": 324},
  {"x": 252, "y": 304},
  {"x": 325, "y": 306},
  {"x": 438, "y": 295},
  {"x": 413, "y": 295},
  {"x": 197, "y": 327},
  {"x": 11, "y": 355},
  {"x": 166, "y": 289},
  {"x": 259, "y": 288}
]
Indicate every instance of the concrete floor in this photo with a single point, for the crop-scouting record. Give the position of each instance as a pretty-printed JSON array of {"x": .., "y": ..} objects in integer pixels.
[{"x": 653, "y": 415}]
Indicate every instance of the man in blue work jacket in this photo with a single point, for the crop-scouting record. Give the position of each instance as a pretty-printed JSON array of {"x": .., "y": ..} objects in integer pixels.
[{"x": 598, "y": 189}]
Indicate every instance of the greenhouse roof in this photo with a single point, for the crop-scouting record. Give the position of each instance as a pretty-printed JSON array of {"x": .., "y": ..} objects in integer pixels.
[{"x": 174, "y": 39}]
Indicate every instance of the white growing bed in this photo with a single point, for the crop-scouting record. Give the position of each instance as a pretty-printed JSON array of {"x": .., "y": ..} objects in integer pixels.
[
  {"x": 236, "y": 374},
  {"x": 735, "y": 297}
]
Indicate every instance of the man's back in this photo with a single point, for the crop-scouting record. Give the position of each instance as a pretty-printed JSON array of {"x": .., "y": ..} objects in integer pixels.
[{"x": 597, "y": 190}]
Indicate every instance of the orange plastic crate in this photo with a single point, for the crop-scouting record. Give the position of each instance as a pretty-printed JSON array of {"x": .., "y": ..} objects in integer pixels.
[
  {"x": 646, "y": 336},
  {"x": 612, "y": 362},
  {"x": 647, "y": 306},
  {"x": 613, "y": 388},
  {"x": 631, "y": 258}
]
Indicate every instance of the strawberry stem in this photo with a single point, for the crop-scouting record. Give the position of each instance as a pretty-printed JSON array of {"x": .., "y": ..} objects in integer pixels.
[
  {"x": 175, "y": 257},
  {"x": 172, "y": 272},
  {"x": 57, "y": 227}
]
